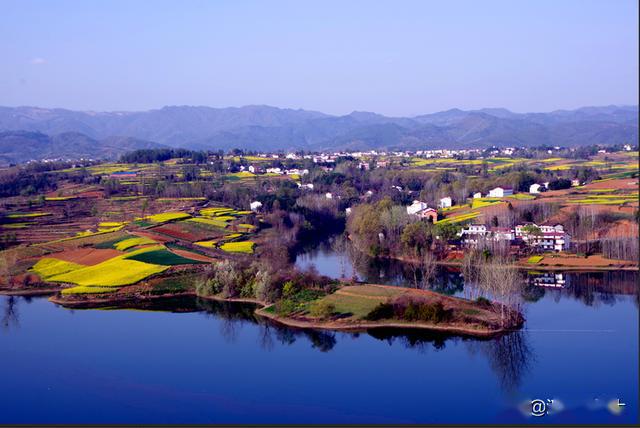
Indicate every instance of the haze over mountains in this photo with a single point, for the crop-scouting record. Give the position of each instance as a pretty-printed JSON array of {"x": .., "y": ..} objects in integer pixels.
[{"x": 35, "y": 133}]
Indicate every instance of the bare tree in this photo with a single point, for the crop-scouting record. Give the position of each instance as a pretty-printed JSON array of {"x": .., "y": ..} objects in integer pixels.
[
  {"x": 500, "y": 280},
  {"x": 428, "y": 267}
]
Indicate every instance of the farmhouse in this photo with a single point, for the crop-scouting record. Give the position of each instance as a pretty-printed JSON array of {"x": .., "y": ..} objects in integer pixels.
[
  {"x": 416, "y": 207},
  {"x": 549, "y": 241},
  {"x": 477, "y": 195},
  {"x": 500, "y": 192},
  {"x": 536, "y": 188},
  {"x": 255, "y": 205},
  {"x": 445, "y": 202}
]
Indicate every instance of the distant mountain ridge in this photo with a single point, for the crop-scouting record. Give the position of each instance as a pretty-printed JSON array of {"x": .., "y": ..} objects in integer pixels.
[
  {"x": 269, "y": 128},
  {"x": 23, "y": 146}
]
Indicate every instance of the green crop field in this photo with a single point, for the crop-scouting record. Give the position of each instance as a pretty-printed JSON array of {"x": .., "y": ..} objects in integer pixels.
[{"x": 162, "y": 257}]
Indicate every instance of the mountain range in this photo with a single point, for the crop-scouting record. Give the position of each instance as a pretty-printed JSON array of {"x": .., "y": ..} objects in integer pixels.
[{"x": 35, "y": 133}]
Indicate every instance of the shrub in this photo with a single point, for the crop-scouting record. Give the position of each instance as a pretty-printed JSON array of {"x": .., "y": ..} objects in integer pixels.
[
  {"x": 285, "y": 306},
  {"x": 380, "y": 312},
  {"x": 322, "y": 309},
  {"x": 483, "y": 301}
]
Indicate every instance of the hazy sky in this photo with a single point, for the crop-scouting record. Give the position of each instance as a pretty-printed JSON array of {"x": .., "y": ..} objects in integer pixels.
[{"x": 396, "y": 57}]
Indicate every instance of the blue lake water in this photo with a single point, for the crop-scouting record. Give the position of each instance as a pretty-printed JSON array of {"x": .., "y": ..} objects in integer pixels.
[{"x": 216, "y": 363}]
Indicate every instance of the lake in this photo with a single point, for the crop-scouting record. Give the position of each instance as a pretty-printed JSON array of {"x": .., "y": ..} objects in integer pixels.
[{"x": 197, "y": 361}]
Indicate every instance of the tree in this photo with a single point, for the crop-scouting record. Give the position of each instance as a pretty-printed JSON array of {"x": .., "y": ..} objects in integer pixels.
[
  {"x": 145, "y": 206},
  {"x": 429, "y": 266},
  {"x": 559, "y": 184},
  {"x": 447, "y": 231},
  {"x": 500, "y": 279},
  {"x": 532, "y": 229},
  {"x": 417, "y": 236}
]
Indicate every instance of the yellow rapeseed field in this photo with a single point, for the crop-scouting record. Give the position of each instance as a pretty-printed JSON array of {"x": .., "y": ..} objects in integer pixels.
[{"x": 48, "y": 267}]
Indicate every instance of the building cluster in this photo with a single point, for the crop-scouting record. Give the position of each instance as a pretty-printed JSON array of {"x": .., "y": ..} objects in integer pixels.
[{"x": 542, "y": 238}]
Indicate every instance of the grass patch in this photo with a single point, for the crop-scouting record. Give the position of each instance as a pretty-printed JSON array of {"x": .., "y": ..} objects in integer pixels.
[{"x": 356, "y": 306}]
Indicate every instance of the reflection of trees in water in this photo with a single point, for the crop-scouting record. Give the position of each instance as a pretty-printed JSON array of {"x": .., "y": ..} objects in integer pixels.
[
  {"x": 271, "y": 332},
  {"x": 596, "y": 288},
  {"x": 233, "y": 315},
  {"x": 420, "y": 340},
  {"x": 510, "y": 357},
  {"x": 10, "y": 315}
]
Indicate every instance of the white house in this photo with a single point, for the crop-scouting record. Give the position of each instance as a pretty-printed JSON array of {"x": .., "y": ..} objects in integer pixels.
[
  {"x": 328, "y": 195},
  {"x": 535, "y": 188},
  {"x": 500, "y": 192},
  {"x": 575, "y": 182},
  {"x": 252, "y": 169},
  {"x": 473, "y": 234},
  {"x": 477, "y": 195},
  {"x": 347, "y": 211},
  {"x": 255, "y": 205},
  {"x": 445, "y": 202},
  {"x": 306, "y": 186},
  {"x": 550, "y": 241},
  {"x": 416, "y": 207}
]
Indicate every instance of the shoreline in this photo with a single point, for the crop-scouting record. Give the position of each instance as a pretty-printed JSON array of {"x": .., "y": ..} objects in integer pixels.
[
  {"x": 522, "y": 266},
  {"x": 333, "y": 324}
]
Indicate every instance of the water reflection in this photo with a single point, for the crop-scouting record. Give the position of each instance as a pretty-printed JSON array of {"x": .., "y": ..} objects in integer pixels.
[
  {"x": 337, "y": 258},
  {"x": 10, "y": 314}
]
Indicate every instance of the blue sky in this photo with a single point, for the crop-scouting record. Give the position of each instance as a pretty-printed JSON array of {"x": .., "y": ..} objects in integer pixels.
[{"x": 392, "y": 57}]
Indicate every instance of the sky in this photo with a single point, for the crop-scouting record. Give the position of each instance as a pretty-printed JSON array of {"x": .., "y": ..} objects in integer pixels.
[{"x": 398, "y": 58}]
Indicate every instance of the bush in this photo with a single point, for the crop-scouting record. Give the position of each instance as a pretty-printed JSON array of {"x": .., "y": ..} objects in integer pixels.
[
  {"x": 425, "y": 312},
  {"x": 380, "y": 312},
  {"x": 285, "y": 306},
  {"x": 322, "y": 309},
  {"x": 483, "y": 301}
]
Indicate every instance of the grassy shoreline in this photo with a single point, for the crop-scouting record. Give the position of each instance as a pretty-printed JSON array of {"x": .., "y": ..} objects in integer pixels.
[{"x": 476, "y": 326}]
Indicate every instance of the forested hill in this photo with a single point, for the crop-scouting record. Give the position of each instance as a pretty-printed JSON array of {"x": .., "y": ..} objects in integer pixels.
[
  {"x": 268, "y": 128},
  {"x": 23, "y": 146}
]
